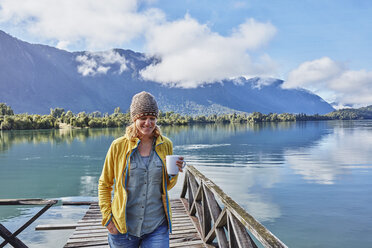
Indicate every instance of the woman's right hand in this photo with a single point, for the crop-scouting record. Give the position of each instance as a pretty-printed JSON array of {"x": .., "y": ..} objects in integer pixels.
[{"x": 112, "y": 228}]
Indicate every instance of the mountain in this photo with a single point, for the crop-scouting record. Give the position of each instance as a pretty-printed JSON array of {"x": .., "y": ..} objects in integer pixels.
[{"x": 35, "y": 78}]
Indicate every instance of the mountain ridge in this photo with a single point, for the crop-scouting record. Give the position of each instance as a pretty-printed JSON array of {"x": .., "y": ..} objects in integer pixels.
[{"x": 35, "y": 78}]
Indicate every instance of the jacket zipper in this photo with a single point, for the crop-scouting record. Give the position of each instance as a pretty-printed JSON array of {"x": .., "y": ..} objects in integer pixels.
[
  {"x": 166, "y": 191},
  {"x": 125, "y": 183}
]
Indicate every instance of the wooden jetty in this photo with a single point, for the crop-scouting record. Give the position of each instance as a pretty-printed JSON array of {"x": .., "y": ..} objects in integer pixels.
[
  {"x": 203, "y": 216},
  {"x": 90, "y": 233}
]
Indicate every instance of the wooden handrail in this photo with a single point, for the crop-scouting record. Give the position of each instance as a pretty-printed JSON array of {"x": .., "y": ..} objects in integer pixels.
[
  {"x": 35, "y": 201},
  {"x": 11, "y": 237},
  {"x": 216, "y": 222}
]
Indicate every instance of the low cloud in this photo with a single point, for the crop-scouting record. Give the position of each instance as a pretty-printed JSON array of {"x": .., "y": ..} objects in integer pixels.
[
  {"x": 333, "y": 81},
  {"x": 91, "y": 64},
  {"x": 192, "y": 54}
]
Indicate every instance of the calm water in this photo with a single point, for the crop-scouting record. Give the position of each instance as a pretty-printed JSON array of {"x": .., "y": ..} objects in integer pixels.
[{"x": 309, "y": 183}]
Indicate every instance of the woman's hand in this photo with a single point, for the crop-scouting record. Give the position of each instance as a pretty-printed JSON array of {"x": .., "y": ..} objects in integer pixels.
[
  {"x": 112, "y": 228},
  {"x": 180, "y": 163}
]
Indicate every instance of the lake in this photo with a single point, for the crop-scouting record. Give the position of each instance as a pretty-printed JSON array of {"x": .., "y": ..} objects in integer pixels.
[{"x": 309, "y": 183}]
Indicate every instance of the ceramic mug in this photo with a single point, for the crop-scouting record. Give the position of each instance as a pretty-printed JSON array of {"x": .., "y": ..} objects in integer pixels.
[{"x": 172, "y": 167}]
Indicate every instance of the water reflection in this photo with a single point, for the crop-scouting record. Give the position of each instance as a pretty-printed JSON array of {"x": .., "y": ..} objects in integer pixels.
[
  {"x": 338, "y": 153},
  {"x": 249, "y": 187},
  {"x": 88, "y": 185},
  {"x": 281, "y": 173},
  {"x": 16, "y": 137},
  {"x": 245, "y": 145},
  {"x": 68, "y": 162}
]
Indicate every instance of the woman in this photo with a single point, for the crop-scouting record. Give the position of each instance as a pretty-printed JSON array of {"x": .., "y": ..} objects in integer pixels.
[{"x": 140, "y": 212}]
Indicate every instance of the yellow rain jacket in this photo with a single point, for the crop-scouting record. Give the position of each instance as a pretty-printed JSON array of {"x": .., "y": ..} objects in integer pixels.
[{"x": 116, "y": 170}]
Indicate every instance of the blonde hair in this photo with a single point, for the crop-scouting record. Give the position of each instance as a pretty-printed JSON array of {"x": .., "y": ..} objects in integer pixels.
[{"x": 132, "y": 131}]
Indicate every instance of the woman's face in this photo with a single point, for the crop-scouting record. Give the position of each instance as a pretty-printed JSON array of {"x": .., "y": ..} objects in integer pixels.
[{"x": 146, "y": 125}]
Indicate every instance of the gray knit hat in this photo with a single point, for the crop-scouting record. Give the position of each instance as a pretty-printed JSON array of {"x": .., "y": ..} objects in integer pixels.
[{"x": 143, "y": 104}]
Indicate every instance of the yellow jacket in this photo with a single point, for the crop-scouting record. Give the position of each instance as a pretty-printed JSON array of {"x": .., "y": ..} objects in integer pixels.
[{"x": 116, "y": 169}]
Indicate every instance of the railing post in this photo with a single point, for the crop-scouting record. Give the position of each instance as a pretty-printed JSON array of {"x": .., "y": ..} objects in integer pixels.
[
  {"x": 191, "y": 196},
  {"x": 11, "y": 237},
  {"x": 206, "y": 214},
  {"x": 14, "y": 241}
]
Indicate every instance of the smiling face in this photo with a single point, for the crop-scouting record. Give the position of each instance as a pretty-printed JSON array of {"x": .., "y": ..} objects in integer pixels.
[{"x": 146, "y": 125}]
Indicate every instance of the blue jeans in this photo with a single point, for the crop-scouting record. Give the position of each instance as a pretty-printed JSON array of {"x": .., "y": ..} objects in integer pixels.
[{"x": 159, "y": 238}]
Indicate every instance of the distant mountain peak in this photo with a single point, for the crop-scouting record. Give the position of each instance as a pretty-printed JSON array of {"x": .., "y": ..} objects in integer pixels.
[{"x": 35, "y": 78}]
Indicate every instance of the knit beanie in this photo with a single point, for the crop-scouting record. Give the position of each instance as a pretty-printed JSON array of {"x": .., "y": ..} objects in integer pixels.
[{"x": 143, "y": 104}]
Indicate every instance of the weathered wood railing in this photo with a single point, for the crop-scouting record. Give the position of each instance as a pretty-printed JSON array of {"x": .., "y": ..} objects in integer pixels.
[
  {"x": 228, "y": 225},
  {"x": 11, "y": 238}
]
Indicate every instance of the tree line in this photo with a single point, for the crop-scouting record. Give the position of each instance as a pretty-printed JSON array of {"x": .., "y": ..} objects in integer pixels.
[{"x": 58, "y": 117}]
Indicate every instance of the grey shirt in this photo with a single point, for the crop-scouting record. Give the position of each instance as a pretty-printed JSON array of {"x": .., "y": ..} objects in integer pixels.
[{"x": 145, "y": 210}]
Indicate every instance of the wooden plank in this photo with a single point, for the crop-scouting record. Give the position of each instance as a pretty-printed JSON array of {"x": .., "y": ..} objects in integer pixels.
[
  {"x": 78, "y": 203},
  {"x": 217, "y": 229},
  {"x": 79, "y": 228},
  {"x": 66, "y": 226},
  {"x": 191, "y": 196},
  {"x": 184, "y": 231},
  {"x": 87, "y": 244},
  {"x": 242, "y": 237},
  {"x": 189, "y": 223},
  {"x": 88, "y": 235},
  {"x": 90, "y": 231},
  {"x": 185, "y": 185},
  {"x": 179, "y": 215},
  {"x": 187, "y": 244},
  {"x": 92, "y": 210},
  {"x": 98, "y": 220},
  {"x": 88, "y": 239},
  {"x": 181, "y": 221},
  {"x": 181, "y": 218},
  {"x": 207, "y": 219},
  {"x": 55, "y": 227},
  {"x": 97, "y": 215},
  {"x": 34, "y": 201},
  {"x": 186, "y": 237}
]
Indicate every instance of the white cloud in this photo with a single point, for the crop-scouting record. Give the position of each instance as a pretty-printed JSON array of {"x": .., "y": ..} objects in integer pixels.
[
  {"x": 313, "y": 72},
  {"x": 91, "y": 64},
  {"x": 63, "y": 44},
  {"x": 333, "y": 81},
  {"x": 192, "y": 54},
  {"x": 97, "y": 24}
]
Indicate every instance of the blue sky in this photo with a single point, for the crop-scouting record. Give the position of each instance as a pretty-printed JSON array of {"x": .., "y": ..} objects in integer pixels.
[{"x": 322, "y": 46}]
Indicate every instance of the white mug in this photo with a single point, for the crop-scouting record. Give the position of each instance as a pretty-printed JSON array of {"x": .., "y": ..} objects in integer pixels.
[{"x": 172, "y": 167}]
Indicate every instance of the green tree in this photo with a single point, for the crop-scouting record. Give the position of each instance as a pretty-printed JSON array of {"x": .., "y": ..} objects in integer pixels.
[
  {"x": 95, "y": 114},
  {"x": 67, "y": 117},
  {"x": 8, "y": 123},
  {"x": 255, "y": 117},
  {"x": 5, "y": 109},
  {"x": 57, "y": 112}
]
